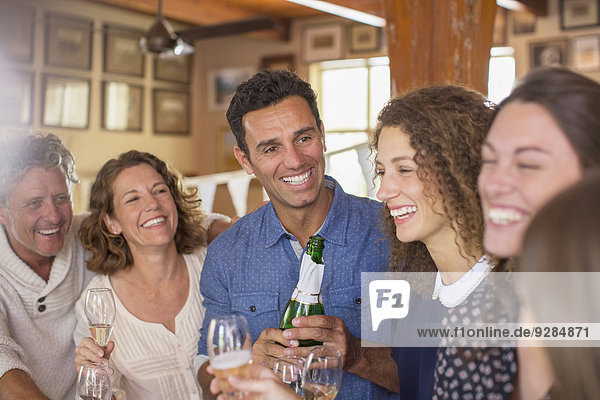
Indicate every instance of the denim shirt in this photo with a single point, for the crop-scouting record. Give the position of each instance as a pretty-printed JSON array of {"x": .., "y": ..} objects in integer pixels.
[{"x": 251, "y": 269}]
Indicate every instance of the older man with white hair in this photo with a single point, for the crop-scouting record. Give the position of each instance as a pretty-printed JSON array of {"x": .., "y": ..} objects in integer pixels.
[{"x": 42, "y": 269}]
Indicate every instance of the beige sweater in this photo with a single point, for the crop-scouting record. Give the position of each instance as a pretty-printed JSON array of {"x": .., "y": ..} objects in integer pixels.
[{"x": 37, "y": 319}]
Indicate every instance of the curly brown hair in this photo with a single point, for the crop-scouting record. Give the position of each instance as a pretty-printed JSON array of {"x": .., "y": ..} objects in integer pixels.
[
  {"x": 110, "y": 252},
  {"x": 447, "y": 126}
]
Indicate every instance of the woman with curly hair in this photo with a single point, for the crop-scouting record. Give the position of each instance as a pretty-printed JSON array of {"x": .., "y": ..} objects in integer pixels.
[
  {"x": 148, "y": 241},
  {"x": 428, "y": 146}
]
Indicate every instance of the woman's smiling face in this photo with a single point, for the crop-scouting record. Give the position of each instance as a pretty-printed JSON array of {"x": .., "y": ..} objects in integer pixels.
[{"x": 527, "y": 159}]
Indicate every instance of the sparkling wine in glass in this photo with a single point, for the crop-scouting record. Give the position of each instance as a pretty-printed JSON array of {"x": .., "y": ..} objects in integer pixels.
[
  {"x": 93, "y": 382},
  {"x": 322, "y": 375},
  {"x": 289, "y": 370},
  {"x": 100, "y": 313},
  {"x": 229, "y": 348}
]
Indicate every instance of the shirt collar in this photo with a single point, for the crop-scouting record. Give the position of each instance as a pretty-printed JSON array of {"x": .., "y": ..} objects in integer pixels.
[
  {"x": 454, "y": 294},
  {"x": 334, "y": 228}
]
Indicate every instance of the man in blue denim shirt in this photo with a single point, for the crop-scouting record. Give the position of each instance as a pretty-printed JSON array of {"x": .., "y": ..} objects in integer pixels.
[{"x": 253, "y": 267}]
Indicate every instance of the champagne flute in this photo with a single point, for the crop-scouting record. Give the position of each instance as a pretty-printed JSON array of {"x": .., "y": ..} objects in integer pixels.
[
  {"x": 93, "y": 382},
  {"x": 229, "y": 348},
  {"x": 322, "y": 375},
  {"x": 100, "y": 313},
  {"x": 289, "y": 370}
]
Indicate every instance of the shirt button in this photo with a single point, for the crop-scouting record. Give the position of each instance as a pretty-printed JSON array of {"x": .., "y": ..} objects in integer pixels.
[
  {"x": 357, "y": 300},
  {"x": 41, "y": 299},
  {"x": 288, "y": 237},
  {"x": 252, "y": 308},
  {"x": 42, "y": 308}
]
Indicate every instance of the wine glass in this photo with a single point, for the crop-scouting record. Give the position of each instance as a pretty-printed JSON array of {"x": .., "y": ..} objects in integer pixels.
[
  {"x": 229, "y": 348},
  {"x": 322, "y": 375},
  {"x": 93, "y": 382},
  {"x": 100, "y": 314},
  {"x": 289, "y": 370}
]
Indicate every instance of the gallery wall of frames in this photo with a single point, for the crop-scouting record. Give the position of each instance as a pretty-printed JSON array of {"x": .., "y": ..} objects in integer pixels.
[{"x": 63, "y": 78}]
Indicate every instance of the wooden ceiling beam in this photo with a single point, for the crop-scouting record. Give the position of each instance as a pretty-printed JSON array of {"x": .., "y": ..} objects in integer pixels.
[
  {"x": 194, "y": 12},
  {"x": 203, "y": 13},
  {"x": 233, "y": 28}
]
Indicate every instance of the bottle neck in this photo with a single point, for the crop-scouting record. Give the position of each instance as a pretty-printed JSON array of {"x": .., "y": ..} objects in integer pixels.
[{"x": 315, "y": 248}]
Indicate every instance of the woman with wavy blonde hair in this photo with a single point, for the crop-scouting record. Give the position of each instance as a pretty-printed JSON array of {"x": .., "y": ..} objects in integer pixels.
[
  {"x": 148, "y": 241},
  {"x": 428, "y": 146}
]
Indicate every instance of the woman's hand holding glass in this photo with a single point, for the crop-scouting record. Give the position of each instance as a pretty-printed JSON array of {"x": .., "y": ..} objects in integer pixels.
[
  {"x": 262, "y": 384},
  {"x": 229, "y": 348},
  {"x": 100, "y": 313},
  {"x": 322, "y": 375}
]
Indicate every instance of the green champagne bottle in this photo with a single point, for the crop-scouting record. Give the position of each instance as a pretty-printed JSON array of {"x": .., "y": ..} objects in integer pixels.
[{"x": 306, "y": 299}]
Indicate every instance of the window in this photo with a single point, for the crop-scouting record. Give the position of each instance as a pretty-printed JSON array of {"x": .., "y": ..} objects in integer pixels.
[
  {"x": 351, "y": 93},
  {"x": 501, "y": 75}
]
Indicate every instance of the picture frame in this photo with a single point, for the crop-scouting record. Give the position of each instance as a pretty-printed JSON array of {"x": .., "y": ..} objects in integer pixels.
[
  {"x": 321, "y": 42},
  {"x": 171, "y": 111},
  {"x": 576, "y": 14},
  {"x": 65, "y": 101},
  {"x": 173, "y": 69},
  {"x": 552, "y": 52},
  {"x": 586, "y": 53},
  {"x": 122, "y": 54},
  {"x": 364, "y": 38},
  {"x": 279, "y": 62},
  {"x": 17, "y": 32},
  {"x": 16, "y": 97},
  {"x": 68, "y": 41},
  {"x": 226, "y": 160},
  {"x": 523, "y": 22},
  {"x": 122, "y": 106},
  {"x": 222, "y": 84},
  {"x": 500, "y": 35}
]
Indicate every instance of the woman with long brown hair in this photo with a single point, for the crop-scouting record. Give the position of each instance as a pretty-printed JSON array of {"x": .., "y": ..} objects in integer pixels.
[
  {"x": 148, "y": 241},
  {"x": 428, "y": 156}
]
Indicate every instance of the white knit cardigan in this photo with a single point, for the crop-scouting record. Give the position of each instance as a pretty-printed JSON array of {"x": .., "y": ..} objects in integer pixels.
[{"x": 37, "y": 319}]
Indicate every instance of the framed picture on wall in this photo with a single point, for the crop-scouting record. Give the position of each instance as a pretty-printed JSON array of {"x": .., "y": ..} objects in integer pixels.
[
  {"x": 68, "y": 41},
  {"x": 17, "y": 24},
  {"x": 122, "y": 54},
  {"x": 121, "y": 106},
  {"x": 322, "y": 42},
  {"x": 173, "y": 69},
  {"x": 579, "y": 13},
  {"x": 222, "y": 84},
  {"x": 16, "y": 97},
  {"x": 586, "y": 52},
  {"x": 548, "y": 53},
  {"x": 523, "y": 22},
  {"x": 284, "y": 62},
  {"x": 171, "y": 111},
  {"x": 66, "y": 102},
  {"x": 364, "y": 38}
]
